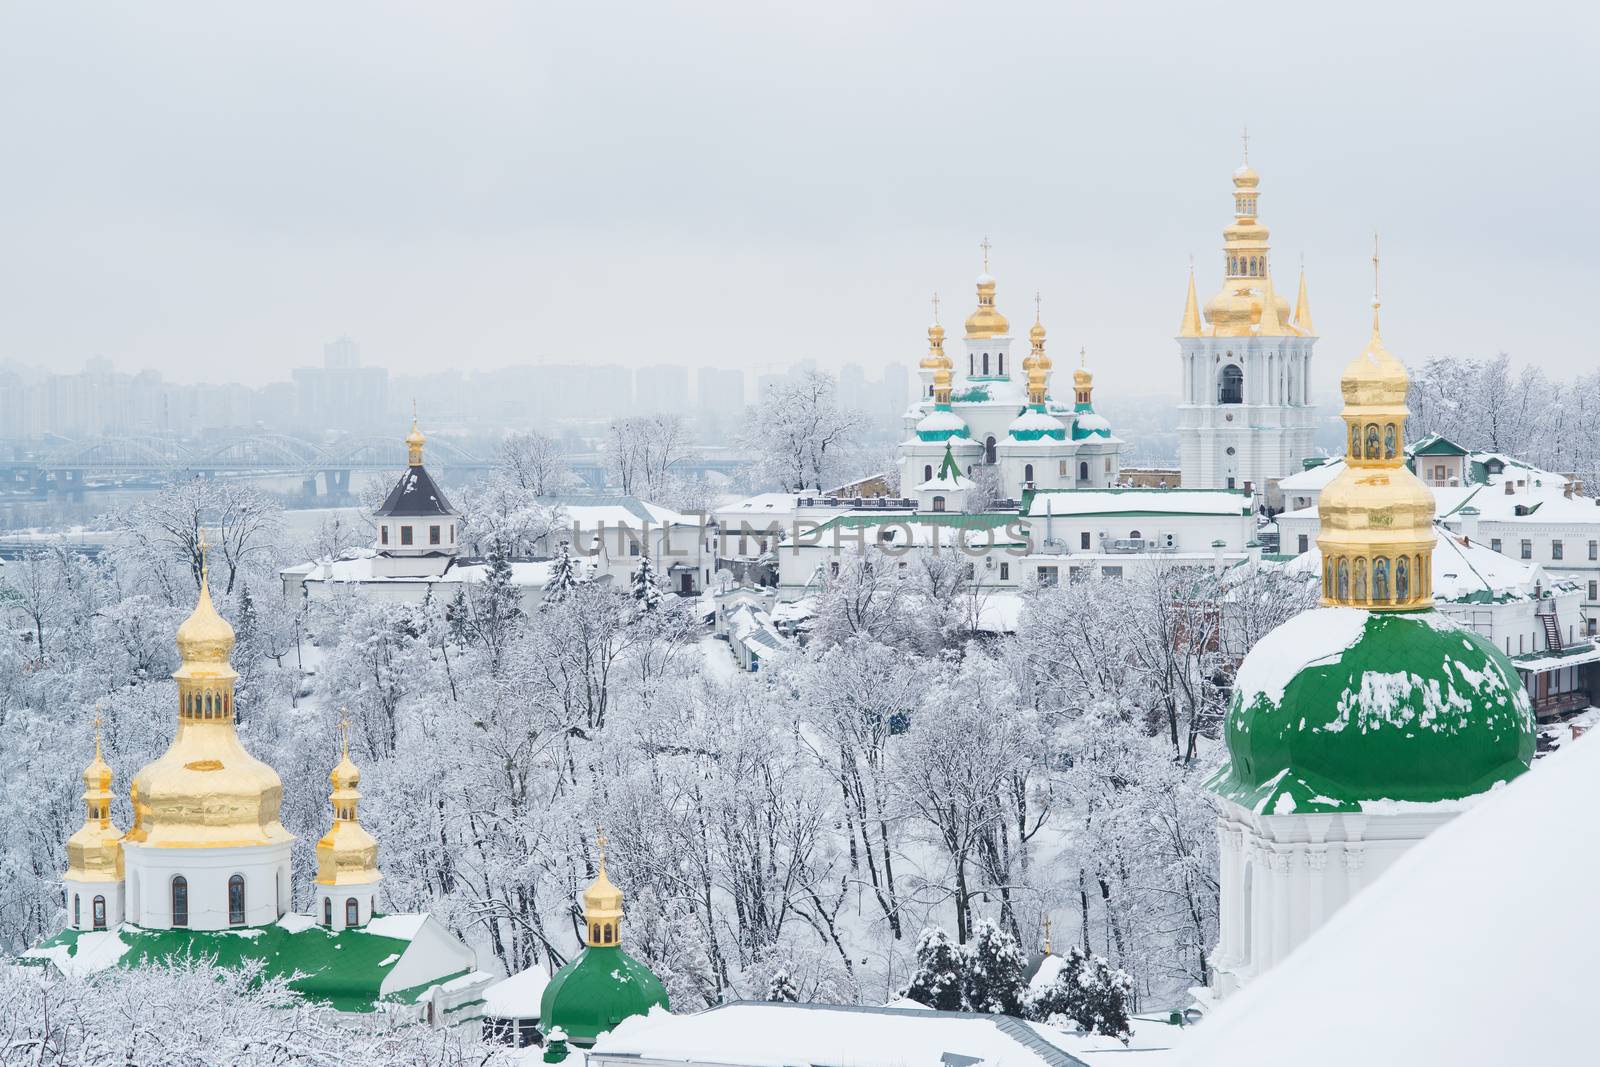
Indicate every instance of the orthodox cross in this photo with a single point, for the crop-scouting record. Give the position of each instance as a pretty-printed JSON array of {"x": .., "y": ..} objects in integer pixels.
[
  {"x": 985, "y": 245},
  {"x": 936, "y": 309},
  {"x": 1246, "y": 138},
  {"x": 1038, "y": 306}
]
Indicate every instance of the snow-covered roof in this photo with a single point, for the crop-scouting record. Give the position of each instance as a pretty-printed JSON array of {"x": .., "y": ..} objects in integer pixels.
[
  {"x": 518, "y": 996},
  {"x": 1544, "y": 503},
  {"x": 357, "y": 566},
  {"x": 1312, "y": 479},
  {"x": 415, "y": 494},
  {"x": 947, "y": 483},
  {"x": 941, "y": 420},
  {"x": 922, "y": 529},
  {"x": 750, "y": 625},
  {"x": 1585, "y": 651},
  {"x": 780, "y": 1035},
  {"x": 1419, "y": 966},
  {"x": 1139, "y": 502},
  {"x": 588, "y": 511}
]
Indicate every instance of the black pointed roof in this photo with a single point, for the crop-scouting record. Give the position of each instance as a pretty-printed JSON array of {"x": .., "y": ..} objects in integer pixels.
[{"x": 415, "y": 494}]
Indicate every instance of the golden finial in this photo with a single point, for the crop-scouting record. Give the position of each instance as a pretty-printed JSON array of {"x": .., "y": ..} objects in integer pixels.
[
  {"x": 1083, "y": 356},
  {"x": 600, "y": 844},
  {"x": 98, "y": 721},
  {"x": 1246, "y": 139},
  {"x": 984, "y": 244},
  {"x": 1047, "y": 950},
  {"x": 414, "y": 440},
  {"x": 205, "y": 572},
  {"x": 1376, "y": 291},
  {"x": 1038, "y": 307},
  {"x": 936, "y": 308},
  {"x": 343, "y": 727}
]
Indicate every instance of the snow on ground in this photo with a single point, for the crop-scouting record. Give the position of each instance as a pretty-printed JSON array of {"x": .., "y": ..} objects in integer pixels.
[
  {"x": 718, "y": 658},
  {"x": 1476, "y": 947}
]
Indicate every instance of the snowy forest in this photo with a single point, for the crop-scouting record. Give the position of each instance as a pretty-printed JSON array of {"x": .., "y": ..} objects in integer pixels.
[{"x": 801, "y": 827}]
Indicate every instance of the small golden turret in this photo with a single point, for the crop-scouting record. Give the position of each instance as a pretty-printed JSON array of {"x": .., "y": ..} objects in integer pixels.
[
  {"x": 414, "y": 441},
  {"x": 1036, "y": 364},
  {"x": 1377, "y": 533},
  {"x": 1191, "y": 309},
  {"x": 936, "y": 360},
  {"x": 1302, "y": 308},
  {"x": 346, "y": 854},
  {"x": 1241, "y": 308},
  {"x": 1083, "y": 381},
  {"x": 986, "y": 321},
  {"x": 94, "y": 853},
  {"x": 602, "y": 903}
]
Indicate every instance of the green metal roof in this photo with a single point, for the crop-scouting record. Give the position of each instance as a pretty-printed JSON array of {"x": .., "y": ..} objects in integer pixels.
[
  {"x": 596, "y": 991},
  {"x": 1435, "y": 445},
  {"x": 1413, "y": 709},
  {"x": 344, "y": 969}
]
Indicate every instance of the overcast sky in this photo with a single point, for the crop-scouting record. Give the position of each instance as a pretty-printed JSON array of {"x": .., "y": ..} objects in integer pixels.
[{"x": 215, "y": 190}]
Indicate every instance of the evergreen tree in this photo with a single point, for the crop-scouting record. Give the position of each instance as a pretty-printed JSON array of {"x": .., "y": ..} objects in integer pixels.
[
  {"x": 563, "y": 577},
  {"x": 995, "y": 974},
  {"x": 646, "y": 588},
  {"x": 938, "y": 979},
  {"x": 458, "y": 615},
  {"x": 247, "y": 654},
  {"x": 1088, "y": 991},
  {"x": 500, "y": 606},
  {"x": 781, "y": 988}
]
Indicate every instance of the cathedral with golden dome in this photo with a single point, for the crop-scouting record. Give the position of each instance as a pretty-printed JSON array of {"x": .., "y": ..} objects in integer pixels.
[
  {"x": 983, "y": 410},
  {"x": 1245, "y": 418},
  {"x": 205, "y": 869}
]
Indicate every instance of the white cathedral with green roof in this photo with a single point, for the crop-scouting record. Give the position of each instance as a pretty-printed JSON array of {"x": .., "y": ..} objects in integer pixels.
[
  {"x": 1358, "y": 728},
  {"x": 204, "y": 871}
]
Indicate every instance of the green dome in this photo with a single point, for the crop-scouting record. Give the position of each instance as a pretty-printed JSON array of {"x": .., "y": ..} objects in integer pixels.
[
  {"x": 596, "y": 991},
  {"x": 1339, "y": 707}
]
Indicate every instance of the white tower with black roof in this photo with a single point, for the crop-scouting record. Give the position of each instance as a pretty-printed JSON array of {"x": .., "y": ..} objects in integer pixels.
[{"x": 417, "y": 527}]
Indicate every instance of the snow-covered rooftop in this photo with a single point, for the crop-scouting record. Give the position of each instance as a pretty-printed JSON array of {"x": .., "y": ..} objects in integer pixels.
[
  {"x": 1139, "y": 501},
  {"x": 1441, "y": 962},
  {"x": 518, "y": 996},
  {"x": 357, "y": 566},
  {"x": 781, "y": 1035}
]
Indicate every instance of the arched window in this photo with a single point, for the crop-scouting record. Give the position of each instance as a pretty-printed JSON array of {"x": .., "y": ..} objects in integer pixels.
[
  {"x": 988, "y": 449},
  {"x": 77, "y": 914},
  {"x": 1424, "y": 580},
  {"x": 1134, "y": 535},
  {"x": 1001, "y": 356},
  {"x": 1372, "y": 440},
  {"x": 352, "y": 912},
  {"x": 180, "y": 901},
  {"x": 1083, "y": 472},
  {"x": 1389, "y": 440},
  {"x": 1380, "y": 580},
  {"x": 1230, "y": 385},
  {"x": 938, "y": 505},
  {"x": 1027, "y": 472},
  {"x": 1361, "y": 580},
  {"x": 1402, "y": 581},
  {"x": 594, "y": 933},
  {"x": 927, "y": 472},
  {"x": 1343, "y": 592},
  {"x": 236, "y": 900},
  {"x": 1355, "y": 442},
  {"x": 327, "y": 912},
  {"x": 99, "y": 913}
]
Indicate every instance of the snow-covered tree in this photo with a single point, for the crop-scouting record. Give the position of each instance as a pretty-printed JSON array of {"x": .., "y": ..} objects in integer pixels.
[
  {"x": 564, "y": 576},
  {"x": 801, "y": 432},
  {"x": 940, "y": 977},
  {"x": 535, "y": 462},
  {"x": 781, "y": 988},
  {"x": 1087, "y": 992},
  {"x": 643, "y": 452},
  {"x": 993, "y": 972},
  {"x": 646, "y": 585}
]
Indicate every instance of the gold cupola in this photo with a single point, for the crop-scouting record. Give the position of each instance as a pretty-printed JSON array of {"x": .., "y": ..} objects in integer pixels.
[
  {"x": 1377, "y": 517},
  {"x": 602, "y": 903},
  {"x": 986, "y": 321},
  {"x": 94, "y": 853},
  {"x": 1083, "y": 380},
  {"x": 1246, "y": 306},
  {"x": 206, "y": 791},
  {"x": 347, "y": 854},
  {"x": 936, "y": 360},
  {"x": 1036, "y": 364},
  {"x": 414, "y": 441}
]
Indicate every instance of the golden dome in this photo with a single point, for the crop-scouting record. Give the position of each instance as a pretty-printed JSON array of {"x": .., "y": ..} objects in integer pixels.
[
  {"x": 206, "y": 791},
  {"x": 94, "y": 853},
  {"x": 205, "y": 639},
  {"x": 986, "y": 322},
  {"x": 1239, "y": 308},
  {"x": 602, "y": 903},
  {"x": 935, "y": 357},
  {"x": 1377, "y": 535},
  {"x": 414, "y": 443},
  {"x": 347, "y": 854},
  {"x": 1036, "y": 364},
  {"x": 1246, "y": 177}
]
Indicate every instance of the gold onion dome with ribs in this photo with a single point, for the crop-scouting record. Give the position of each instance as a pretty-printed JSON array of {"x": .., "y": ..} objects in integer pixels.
[
  {"x": 347, "y": 853},
  {"x": 206, "y": 791},
  {"x": 986, "y": 321},
  {"x": 94, "y": 853},
  {"x": 1246, "y": 306}
]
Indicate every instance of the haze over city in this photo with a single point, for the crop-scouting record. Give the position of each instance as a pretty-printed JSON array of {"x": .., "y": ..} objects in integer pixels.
[{"x": 214, "y": 193}]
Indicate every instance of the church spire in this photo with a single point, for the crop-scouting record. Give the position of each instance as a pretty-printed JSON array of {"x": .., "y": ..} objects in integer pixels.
[
  {"x": 936, "y": 360},
  {"x": 1377, "y": 534},
  {"x": 94, "y": 853},
  {"x": 602, "y": 903},
  {"x": 1036, "y": 364},
  {"x": 1238, "y": 310},
  {"x": 347, "y": 855},
  {"x": 414, "y": 440},
  {"x": 1302, "y": 307},
  {"x": 1191, "y": 309},
  {"x": 986, "y": 321}
]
